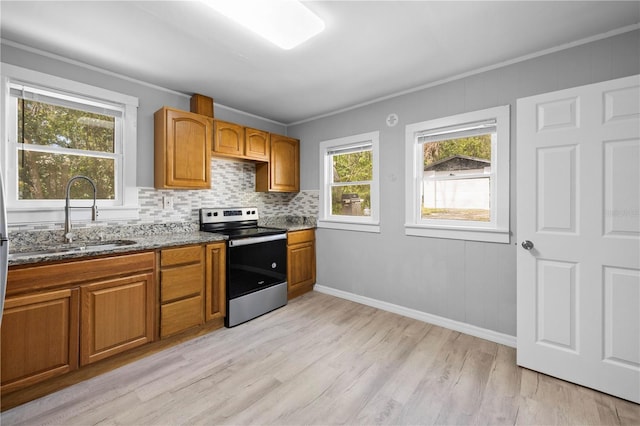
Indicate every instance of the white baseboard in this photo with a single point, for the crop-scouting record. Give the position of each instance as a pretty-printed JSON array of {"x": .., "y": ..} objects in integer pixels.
[{"x": 483, "y": 333}]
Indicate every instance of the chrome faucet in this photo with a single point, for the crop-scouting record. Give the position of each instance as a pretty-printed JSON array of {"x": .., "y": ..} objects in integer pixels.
[{"x": 68, "y": 236}]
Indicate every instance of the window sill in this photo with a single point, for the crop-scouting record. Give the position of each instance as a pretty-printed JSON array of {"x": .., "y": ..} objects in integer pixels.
[
  {"x": 459, "y": 233},
  {"x": 349, "y": 226},
  {"x": 34, "y": 215}
]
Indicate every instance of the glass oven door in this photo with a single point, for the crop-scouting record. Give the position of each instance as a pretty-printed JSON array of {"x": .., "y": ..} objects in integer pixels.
[{"x": 254, "y": 266}]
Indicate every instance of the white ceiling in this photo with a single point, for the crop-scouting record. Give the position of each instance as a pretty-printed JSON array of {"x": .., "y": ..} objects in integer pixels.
[{"x": 369, "y": 50}]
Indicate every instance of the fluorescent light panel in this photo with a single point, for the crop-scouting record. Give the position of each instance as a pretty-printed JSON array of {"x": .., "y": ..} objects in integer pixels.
[{"x": 286, "y": 23}]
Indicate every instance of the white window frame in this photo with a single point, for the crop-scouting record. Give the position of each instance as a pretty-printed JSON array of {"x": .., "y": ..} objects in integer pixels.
[
  {"x": 124, "y": 206},
  {"x": 352, "y": 223},
  {"x": 497, "y": 229}
]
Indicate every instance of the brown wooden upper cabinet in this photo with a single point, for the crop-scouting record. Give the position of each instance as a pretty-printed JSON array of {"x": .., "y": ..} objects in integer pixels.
[
  {"x": 257, "y": 144},
  {"x": 282, "y": 172},
  {"x": 240, "y": 142},
  {"x": 228, "y": 138},
  {"x": 182, "y": 149}
]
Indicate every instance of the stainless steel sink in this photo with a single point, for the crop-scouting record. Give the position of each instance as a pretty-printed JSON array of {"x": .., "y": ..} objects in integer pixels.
[
  {"x": 76, "y": 248},
  {"x": 104, "y": 245}
]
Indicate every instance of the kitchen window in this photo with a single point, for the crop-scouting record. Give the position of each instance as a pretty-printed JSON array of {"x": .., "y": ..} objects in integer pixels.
[
  {"x": 457, "y": 182},
  {"x": 349, "y": 183},
  {"x": 56, "y": 129}
]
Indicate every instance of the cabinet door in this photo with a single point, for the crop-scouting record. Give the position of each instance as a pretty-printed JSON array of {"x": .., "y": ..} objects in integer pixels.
[
  {"x": 116, "y": 315},
  {"x": 182, "y": 149},
  {"x": 39, "y": 337},
  {"x": 301, "y": 262},
  {"x": 256, "y": 144},
  {"x": 285, "y": 164},
  {"x": 228, "y": 138},
  {"x": 282, "y": 172},
  {"x": 215, "y": 304}
]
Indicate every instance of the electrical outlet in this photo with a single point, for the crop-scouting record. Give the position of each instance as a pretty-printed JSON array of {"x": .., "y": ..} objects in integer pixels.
[{"x": 167, "y": 202}]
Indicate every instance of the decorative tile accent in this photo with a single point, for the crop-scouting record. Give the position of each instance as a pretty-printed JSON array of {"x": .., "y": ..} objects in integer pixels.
[{"x": 232, "y": 185}]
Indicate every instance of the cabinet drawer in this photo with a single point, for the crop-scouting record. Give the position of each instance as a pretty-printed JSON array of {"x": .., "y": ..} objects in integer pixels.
[
  {"x": 41, "y": 277},
  {"x": 181, "y": 256},
  {"x": 181, "y": 282},
  {"x": 180, "y": 315},
  {"x": 296, "y": 237}
]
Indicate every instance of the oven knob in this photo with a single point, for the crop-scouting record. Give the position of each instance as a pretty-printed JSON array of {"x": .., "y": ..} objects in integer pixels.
[
  {"x": 274, "y": 265},
  {"x": 253, "y": 212},
  {"x": 215, "y": 213},
  {"x": 248, "y": 211},
  {"x": 209, "y": 214}
]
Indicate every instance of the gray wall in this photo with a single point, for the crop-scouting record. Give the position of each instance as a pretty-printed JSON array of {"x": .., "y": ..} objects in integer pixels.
[
  {"x": 465, "y": 281},
  {"x": 151, "y": 98}
]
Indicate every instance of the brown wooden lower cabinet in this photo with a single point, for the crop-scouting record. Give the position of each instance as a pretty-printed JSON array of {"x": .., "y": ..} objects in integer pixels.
[
  {"x": 116, "y": 315},
  {"x": 182, "y": 275},
  {"x": 39, "y": 337},
  {"x": 215, "y": 291},
  {"x": 301, "y": 262},
  {"x": 60, "y": 315}
]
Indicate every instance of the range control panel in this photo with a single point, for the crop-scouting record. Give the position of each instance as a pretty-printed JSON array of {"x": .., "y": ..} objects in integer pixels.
[{"x": 235, "y": 214}]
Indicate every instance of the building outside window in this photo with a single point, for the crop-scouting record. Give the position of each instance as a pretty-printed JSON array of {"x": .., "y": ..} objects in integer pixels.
[{"x": 458, "y": 176}]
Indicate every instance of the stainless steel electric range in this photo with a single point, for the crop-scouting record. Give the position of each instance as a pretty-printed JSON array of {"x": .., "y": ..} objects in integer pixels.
[{"x": 256, "y": 262}]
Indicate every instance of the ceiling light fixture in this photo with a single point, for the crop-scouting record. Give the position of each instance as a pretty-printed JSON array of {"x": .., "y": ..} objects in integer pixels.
[{"x": 286, "y": 23}]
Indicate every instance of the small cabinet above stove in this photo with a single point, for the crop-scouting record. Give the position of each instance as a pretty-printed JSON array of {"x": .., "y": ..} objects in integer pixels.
[
  {"x": 277, "y": 156},
  {"x": 236, "y": 141}
]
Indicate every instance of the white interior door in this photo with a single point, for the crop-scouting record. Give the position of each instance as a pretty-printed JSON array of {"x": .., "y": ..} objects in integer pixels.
[{"x": 578, "y": 219}]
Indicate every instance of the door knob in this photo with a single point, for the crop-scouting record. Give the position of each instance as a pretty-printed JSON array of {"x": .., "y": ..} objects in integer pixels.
[{"x": 527, "y": 245}]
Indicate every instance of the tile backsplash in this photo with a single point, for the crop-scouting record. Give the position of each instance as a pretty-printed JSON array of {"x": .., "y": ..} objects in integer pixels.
[{"x": 232, "y": 185}]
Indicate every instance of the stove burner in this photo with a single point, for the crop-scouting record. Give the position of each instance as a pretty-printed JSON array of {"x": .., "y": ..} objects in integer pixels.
[{"x": 235, "y": 223}]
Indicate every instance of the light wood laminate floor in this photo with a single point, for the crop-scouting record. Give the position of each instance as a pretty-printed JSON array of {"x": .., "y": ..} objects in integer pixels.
[{"x": 322, "y": 360}]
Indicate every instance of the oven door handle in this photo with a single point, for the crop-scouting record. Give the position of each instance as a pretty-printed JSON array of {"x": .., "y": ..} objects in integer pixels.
[{"x": 257, "y": 240}]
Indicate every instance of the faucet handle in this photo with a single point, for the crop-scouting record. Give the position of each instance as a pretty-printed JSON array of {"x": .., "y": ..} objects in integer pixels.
[{"x": 69, "y": 236}]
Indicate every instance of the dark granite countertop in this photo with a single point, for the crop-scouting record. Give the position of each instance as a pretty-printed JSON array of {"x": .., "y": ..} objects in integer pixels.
[
  {"x": 289, "y": 222},
  {"x": 46, "y": 246},
  {"x": 29, "y": 255},
  {"x": 299, "y": 227}
]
